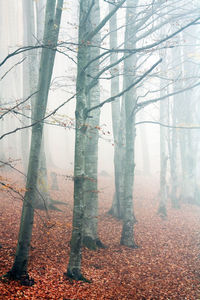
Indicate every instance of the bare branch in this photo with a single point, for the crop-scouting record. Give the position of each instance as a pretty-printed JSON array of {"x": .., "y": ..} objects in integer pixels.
[
  {"x": 17, "y": 105},
  {"x": 8, "y": 164},
  {"x": 145, "y": 103},
  {"x": 12, "y": 189},
  {"x": 104, "y": 21},
  {"x": 111, "y": 99},
  {"x": 145, "y": 48},
  {"x": 18, "y": 63},
  {"x": 95, "y": 79},
  {"x": 38, "y": 121},
  {"x": 168, "y": 126}
]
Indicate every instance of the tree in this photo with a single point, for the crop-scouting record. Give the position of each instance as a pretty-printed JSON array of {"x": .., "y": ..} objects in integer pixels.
[
  {"x": 84, "y": 39},
  {"x": 9, "y": 92},
  {"x": 51, "y": 30},
  {"x": 90, "y": 234},
  {"x": 187, "y": 115},
  {"x": 118, "y": 123},
  {"x": 29, "y": 73},
  {"x": 33, "y": 15},
  {"x": 174, "y": 140},
  {"x": 136, "y": 55},
  {"x": 154, "y": 23},
  {"x": 162, "y": 209},
  {"x": 127, "y": 237},
  {"x": 74, "y": 265}
]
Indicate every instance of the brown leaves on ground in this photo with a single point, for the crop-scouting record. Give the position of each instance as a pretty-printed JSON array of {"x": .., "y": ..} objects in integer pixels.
[{"x": 165, "y": 266}]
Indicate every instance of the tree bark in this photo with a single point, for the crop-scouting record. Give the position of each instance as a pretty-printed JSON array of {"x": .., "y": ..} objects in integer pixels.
[
  {"x": 90, "y": 234},
  {"x": 127, "y": 236},
  {"x": 118, "y": 132},
  {"x": 80, "y": 178},
  {"x": 176, "y": 55},
  {"x": 186, "y": 115},
  {"x": 19, "y": 268},
  {"x": 74, "y": 265},
  {"x": 162, "y": 209}
]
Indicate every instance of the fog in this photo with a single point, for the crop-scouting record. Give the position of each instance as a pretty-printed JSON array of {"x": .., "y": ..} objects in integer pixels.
[
  {"x": 61, "y": 146},
  {"x": 106, "y": 99}
]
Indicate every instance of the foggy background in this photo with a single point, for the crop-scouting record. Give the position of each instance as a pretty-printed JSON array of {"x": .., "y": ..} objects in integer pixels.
[{"x": 59, "y": 141}]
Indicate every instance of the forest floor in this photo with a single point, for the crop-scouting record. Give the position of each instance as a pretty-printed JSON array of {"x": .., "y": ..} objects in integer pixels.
[{"x": 165, "y": 266}]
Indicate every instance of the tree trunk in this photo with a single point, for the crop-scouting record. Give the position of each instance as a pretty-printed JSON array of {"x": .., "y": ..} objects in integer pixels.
[
  {"x": 117, "y": 209},
  {"x": 90, "y": 234},
  {"x": 30, "y": 84},
  {"x": 116, "y": 204},
  {"x": 74, "y": 265},
  {"x": 145, "y": 151},
  {"x": 162, "y": 209},
  {"x": 80, "y": 178},
  {"x": 29, "y": 75},
  {"x": 19, "y": 268},
  {"x": 176, "y": 55},
  {"x": 187, "y": 137},
  {"x": 127, "y": 237}
]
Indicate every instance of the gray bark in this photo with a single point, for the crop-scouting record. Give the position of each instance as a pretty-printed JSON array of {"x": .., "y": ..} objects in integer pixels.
[
  {"x": 2, "y": 148},
  {"x": 162, "y": 209},
  {"x": 29, "y": 78},
  {"x": 127, "y": 236},
  {"x": 117, "y": 208},
  {"x": 117, "y": 124},
  {"x": 84, "y": 39},
  {"x": 19, "y": 268},
  {"x": 176, "y": 56},
  {"x": 74, "y": 265},
  {"x": 9, "y": 73},
  {"x": 90, "y": 234},
  {"x": 30, "y": 74},
  {"x": 187, "y": 137},
  {"x": 145, "y": 151},
  {"x": 32, "y": 34}
]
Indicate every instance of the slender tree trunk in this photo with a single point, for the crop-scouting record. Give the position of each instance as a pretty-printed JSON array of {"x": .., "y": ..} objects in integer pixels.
[
  {"x": 2, "y": 148},
  {"x": 29, "y": 84},
  {"x": 162, "y": 209},
  {"x": 145, "y": 151},
  {"x": 3, "y": 153},
  {"x": 187, "y": 137},
  {"x": 19, "y": 268},
  {"x": 10, "y": 92},
  {"x": 44, "y": 200},
  {"x": 31, "y": 65},
  {"x": 127, "y": 237},
  {"x": 176, "y": 56},
  {"x": 80, "y": 178},
  {"x": 173, "y": 160},
  {"x": 117, "y": 209},
  {"x": 116, "y": 204},
  {"x": 74, "y": 265},
  {"x": 90, "y": 234}
]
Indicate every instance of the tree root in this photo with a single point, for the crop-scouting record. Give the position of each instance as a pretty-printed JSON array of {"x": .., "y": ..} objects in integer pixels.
[
  {"x": 162, "y": 212},
  {"x": 100, "y": 244},
  {"x": 114, "y": 214},
  {"x": 49, "y": 206},
  {"x": 131, "y": 245},
  {"x": 26, "y": 280},
  {"x": 93, "y": 244},
  {"x": 76, "y": 275},
  {"x": 23, "y": 279}
]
